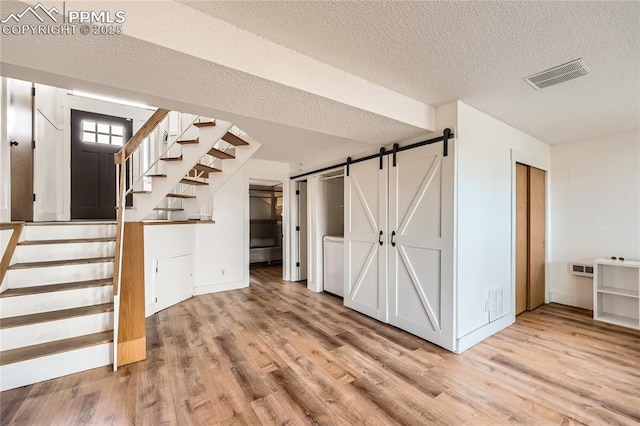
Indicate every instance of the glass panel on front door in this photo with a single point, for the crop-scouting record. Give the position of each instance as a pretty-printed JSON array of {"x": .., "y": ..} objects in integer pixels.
[{"x": 102, "y": 133}]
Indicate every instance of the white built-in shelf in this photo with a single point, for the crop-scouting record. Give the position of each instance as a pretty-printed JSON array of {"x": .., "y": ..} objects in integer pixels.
[
  {"x": 616, "y": 292},
  {"x": 619, "y": 320},
  {"x": 619, "y": 291}
]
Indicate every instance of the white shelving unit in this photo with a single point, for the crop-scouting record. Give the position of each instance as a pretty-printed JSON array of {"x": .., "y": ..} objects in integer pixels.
[{"x": 616, "y": 292}]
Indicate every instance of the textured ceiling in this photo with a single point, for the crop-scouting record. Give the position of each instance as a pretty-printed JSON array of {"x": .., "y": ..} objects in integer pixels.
[
  {"x": 477, "y": 52},
  {"x": 304, "y": 78}
]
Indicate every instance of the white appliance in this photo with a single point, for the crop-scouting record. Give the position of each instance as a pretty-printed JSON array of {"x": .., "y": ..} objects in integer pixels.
[{"x": 334, "y": 265}]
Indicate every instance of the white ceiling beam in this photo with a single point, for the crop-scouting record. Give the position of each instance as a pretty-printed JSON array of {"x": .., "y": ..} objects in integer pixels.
[{"x": 186, "y": 30}]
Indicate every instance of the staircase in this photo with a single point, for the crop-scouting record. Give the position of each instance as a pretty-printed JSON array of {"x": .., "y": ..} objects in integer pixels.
[
  {"x": 63, "y": 283},
  {"x": 56, "y": 317},
  {"x": 181, "y": 182}
]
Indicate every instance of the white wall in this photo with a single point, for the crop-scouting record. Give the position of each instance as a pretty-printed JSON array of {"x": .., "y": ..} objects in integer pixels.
[
  {"x": 222, "y": 250},
  {"x": 487, "y": 150},
  {"x": 595, "y": 198}
]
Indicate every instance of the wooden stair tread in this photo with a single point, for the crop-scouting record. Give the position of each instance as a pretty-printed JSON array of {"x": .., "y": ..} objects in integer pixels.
[
  {"x": 171, "y": 195},
  {"x": 189, "y": 141},
  {"x": 220, "y": 154},
  {"x": 172, "y": 158},
  {"x": 233, "y": 139},
  {"x": 204, "y": 168},
  {"x": 141, "y": 192},
  {"x": 168, "y": 209},
  {"x": 54, "y": 315},
  {"x": 47, "y": 263},
  {"x": 192, "y": 182},
  {"x": 69, "y": 241},
  {"x": 162, "y": 175},
  {"x": 51, "y": 288},
  {"x": 205, "y": 124},
  {"x": 58, "y": 346}
]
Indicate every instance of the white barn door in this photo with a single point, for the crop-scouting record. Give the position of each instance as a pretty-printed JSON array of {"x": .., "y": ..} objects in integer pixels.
[
  {"x": 421, "y": 251},
  {"x": 365, "y": 216}
]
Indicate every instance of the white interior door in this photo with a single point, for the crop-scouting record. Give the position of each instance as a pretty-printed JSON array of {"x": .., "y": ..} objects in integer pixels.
[
  {"x": 365, "y": 265},
  {"x": 421, "y": 261},
  {"x": 174, "y": 280}
]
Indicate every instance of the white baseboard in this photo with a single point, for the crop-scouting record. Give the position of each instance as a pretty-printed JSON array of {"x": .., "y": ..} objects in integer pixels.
[
  {"x": 476, "y": 336},
  {"x": 571, "y": 300},
  {"x": 215, "y": 288}
]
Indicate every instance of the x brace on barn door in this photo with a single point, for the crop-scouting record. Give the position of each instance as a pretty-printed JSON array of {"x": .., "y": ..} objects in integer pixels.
[{"x": 446, "y": 135}]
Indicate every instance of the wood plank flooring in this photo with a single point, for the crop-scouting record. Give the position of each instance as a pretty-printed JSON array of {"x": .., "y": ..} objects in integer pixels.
[{"x": 276, "y": 353}]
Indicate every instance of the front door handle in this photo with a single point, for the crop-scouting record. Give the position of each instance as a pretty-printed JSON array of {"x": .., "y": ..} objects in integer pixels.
[
  {"x": 13, "y": 142},
  {"x": 393, "y": 235},
  {"x": 380, "y": 238}
]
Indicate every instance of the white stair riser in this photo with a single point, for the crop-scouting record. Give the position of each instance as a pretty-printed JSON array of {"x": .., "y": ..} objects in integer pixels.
[
  {"x": 66, "y": 232},
  {"x": 27, "y": 335},
  {"x": 55, "y": 301},
  {"x": 28, "y": 277},
  {"x": 47, "y": 252},
  {"x": 52, "y": 366}
]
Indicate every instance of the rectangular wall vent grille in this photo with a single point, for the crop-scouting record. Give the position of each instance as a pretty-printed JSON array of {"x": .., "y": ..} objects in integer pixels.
[
  {"x": 559, "y": 74},
  {"x": 496, "y": 304},
  {"x": 581, "y": 268}
]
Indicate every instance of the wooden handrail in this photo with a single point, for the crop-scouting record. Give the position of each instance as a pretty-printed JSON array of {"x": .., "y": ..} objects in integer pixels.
[
  {"x": 119, "y": 224},
  {"x": 11, "y": 247},
  {"x": 142, "y": 133}
]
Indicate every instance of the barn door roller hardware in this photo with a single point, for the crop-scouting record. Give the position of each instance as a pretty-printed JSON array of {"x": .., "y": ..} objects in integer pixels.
[
  {"x": 446, "y": 135},
  {"x": 395, "y": 153}
]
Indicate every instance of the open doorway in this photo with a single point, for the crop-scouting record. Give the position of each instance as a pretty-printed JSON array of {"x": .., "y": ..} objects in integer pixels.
[
  {"x": 332, "y": 230},
  {"x": 265, "y": 224},
  {"x": 320, "y": 250}
]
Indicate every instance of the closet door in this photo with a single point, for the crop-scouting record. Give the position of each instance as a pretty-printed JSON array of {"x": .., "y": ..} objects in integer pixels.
[
  {"x": 365, "y": 272},
  {"x": 421, "y": 251}
]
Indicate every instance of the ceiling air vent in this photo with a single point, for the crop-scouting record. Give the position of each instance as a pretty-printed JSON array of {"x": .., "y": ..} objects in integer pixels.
[{"x": 559, "y": 74}]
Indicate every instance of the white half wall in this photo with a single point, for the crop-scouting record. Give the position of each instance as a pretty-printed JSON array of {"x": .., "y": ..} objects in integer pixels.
[
  {"x": 487, "y": 150},
  {"x": 595, "y": 198}
]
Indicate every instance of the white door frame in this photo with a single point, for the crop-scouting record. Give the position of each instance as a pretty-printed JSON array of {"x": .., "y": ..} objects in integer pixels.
[{"x": 253, "y": 175}]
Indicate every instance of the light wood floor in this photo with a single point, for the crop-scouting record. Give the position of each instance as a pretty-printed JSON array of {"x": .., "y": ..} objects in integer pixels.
[{"x": 277, "y": 353}]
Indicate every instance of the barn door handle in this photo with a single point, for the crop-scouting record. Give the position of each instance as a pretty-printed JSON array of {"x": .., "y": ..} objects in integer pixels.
[
  {"x": 380, "y": 238},
  {"x": 13, "y": 142},
  {"x": 393, "y": 234}
]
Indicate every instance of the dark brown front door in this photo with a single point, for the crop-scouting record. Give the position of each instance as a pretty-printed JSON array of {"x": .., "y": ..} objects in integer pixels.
[
  {"x": 94, "y": 140},
  {"x": 20, "y": 135}
]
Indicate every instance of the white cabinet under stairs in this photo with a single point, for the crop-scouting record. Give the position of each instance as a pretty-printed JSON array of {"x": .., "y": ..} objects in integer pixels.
[{"x": 56, "y": 317}]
